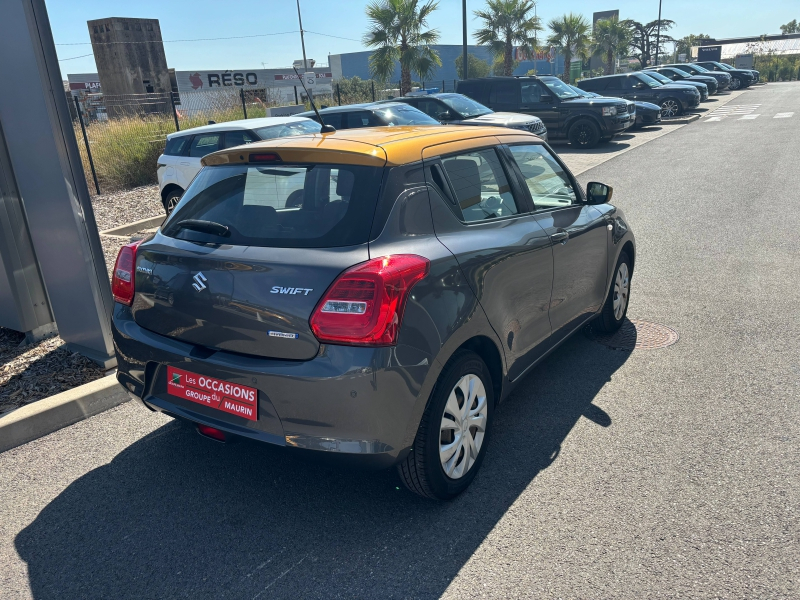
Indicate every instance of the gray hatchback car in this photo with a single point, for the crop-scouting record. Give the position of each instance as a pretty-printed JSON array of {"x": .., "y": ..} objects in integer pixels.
[{"x": 371, "y": 294}]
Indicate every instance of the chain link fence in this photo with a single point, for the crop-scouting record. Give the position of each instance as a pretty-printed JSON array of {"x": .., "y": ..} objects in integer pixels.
[{"x": 121, "y": 137}]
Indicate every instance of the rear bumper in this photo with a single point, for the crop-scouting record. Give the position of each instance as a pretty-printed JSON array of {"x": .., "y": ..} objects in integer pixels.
[{"x": 350, "y": 401}]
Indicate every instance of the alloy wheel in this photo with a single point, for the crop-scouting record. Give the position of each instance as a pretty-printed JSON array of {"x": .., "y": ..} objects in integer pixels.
[
  {"x": 670, "y": 108},
  {"x": 172, "y": 202},
  {"x": 735, "y": 83},
  {"x": 463, "y": 426},
  {"x": 621, "y": 285},
  {"x": 584, "y": 135}
]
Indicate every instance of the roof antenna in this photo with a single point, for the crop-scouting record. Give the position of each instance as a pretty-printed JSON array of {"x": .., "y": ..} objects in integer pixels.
[{"x": 325, "y": 128}]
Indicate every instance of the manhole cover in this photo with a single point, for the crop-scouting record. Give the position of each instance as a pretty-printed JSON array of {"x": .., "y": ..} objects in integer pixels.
[{"x": 635, "y": 334}]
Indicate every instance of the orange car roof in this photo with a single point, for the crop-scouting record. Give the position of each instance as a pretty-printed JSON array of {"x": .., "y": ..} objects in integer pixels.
[{"x": 374, "y": 146}]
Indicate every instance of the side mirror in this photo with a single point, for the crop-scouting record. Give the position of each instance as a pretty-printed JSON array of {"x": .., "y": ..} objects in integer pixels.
[
  {"x": 444, "y": 116},
  {"x": 598, "y": 193},
  {"x": 546, "y": 98}
]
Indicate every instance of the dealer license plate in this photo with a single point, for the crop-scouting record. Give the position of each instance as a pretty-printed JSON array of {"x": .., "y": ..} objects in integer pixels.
[{"x": 232, "y": 398}]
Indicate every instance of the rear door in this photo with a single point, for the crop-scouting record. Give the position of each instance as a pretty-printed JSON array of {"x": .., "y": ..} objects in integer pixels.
[
  {"x": 482, "y": 216},
  {"x": 176, "y": 147},
  {"x": 578, "y": 232},
  {"x": 202, "y": 144},
  {"x": 292, "y": 229}
]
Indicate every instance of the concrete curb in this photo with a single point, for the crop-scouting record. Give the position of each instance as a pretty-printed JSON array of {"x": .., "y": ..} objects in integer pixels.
[
  {"x": 684, "y": 120},
  {"x": 56, "y": 412},
  {"x": 129, "y": 228}
]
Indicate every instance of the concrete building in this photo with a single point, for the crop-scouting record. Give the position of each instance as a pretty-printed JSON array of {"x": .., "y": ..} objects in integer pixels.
[
  {"x": 129, "y": 54},
  {"x": 357, "y": 64}
]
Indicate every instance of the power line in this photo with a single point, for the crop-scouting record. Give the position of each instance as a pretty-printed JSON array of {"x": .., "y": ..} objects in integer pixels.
[
  {"x": 74, "y": 57},
  {"x": 338, "y": 37},
  {"x": 238, "y": 37}
]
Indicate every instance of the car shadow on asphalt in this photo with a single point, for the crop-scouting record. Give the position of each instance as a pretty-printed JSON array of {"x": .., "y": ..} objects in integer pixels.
[{"x": 175, "y": 514}]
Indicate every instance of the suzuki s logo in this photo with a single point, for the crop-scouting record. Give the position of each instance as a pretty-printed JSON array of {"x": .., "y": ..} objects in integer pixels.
[{"x": 199, "y": 282}]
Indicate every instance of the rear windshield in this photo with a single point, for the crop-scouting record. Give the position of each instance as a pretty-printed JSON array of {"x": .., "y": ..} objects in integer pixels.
[
  {"x": 283, "y": 206},
  {"x": 288, "y": 129}
]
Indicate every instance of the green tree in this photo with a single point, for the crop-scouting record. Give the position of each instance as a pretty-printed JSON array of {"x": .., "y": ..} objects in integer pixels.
[
  {"x": 505, "y": 23},
  {"x": 499, "y": 66},
  {"x": 790, "y": 27},
  {"x": 399, "y": 31},
  {"x": 477, "y": 67},
  {"x": 684, "y": 45},
  {"x": 643, "y": 39},
  {"x": 570, "y": 35},
  {"x": 610, "y": 38}
]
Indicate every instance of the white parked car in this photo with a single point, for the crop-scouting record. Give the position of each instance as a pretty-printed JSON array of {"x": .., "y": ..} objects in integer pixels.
[{"x": 180, "y": 161}]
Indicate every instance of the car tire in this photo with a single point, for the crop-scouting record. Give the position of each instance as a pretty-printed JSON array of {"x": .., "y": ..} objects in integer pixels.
[
  {"x": 735, "y": 84},
  {"x": 171, "y": 200},
  {"x": 423, "y": 471},
  {"x": 584, "y": 133},
  {"x": 671, "y": 107},
  {"x": 616, "y": 305}
]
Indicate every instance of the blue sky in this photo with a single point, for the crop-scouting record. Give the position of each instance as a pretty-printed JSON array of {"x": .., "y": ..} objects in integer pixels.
[{"x": 191, "y": 19}]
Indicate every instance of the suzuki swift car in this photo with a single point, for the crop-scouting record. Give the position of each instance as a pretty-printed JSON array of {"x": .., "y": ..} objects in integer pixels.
[{"x": 372, "y": 294}]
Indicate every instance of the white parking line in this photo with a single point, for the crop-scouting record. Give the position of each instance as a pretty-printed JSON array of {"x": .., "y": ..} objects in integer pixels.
[
  {"x": 783, "y": 115},
  {"x": 748, "y": 117},
  {"x": 713, "y": 119}
]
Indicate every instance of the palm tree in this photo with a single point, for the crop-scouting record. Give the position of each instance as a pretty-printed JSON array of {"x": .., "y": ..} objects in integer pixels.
[
  {"x": 570, "y": 35},
  {"x": 609, "y": 39},
  {"x": 506, "y": 22},
  {"x": 398, "y": 29}
]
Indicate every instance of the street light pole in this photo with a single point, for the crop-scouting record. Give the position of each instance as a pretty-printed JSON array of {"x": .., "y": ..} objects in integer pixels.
[
  {"x": 302, "y": 39},
  {"x": 464, "y": 56},
  {"x": 658, "y": 31}
]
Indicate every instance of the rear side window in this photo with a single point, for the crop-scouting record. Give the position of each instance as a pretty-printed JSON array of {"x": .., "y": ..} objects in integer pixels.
[
  {"x": 204, "y": 143},
  {"x": 593, "y": 85},
  {"x": 284, "y": 206},
  {"x": 362, "y": 118},
  {"x": 480, "y": 185},
  {"x": 504, "y": 92},
  {"x": 403, "y": 114},
  {"x": 476, "y": 90},
  {"x": 177, "y": 146}
]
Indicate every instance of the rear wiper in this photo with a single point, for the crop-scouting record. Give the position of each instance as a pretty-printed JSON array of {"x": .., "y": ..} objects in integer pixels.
[{"x": 204, "y": 227}]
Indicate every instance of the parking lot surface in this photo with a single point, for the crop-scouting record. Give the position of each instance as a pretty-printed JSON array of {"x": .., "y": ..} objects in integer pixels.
[{"x": 667, "y": 473}]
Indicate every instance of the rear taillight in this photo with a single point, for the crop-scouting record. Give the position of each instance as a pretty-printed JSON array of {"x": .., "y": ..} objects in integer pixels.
[
  {"x": 364, "y": 306},
  {"x": 122, "y": 281}
]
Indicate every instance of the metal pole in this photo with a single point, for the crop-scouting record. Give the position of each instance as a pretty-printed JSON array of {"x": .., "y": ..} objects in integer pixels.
[
  {"x": 372, "y": 82},
  {"x": 86, "y": 141},
  {"x": 174, "y": 111},
  {"x": 339, "y": 94},
  {"x": 464, "y": 57},
  {"x": 302, "y": 39},
  {"x": 244, "y": 106},
  {"x": 658, "y": 31},
  {"x": 296, "y": 99}
]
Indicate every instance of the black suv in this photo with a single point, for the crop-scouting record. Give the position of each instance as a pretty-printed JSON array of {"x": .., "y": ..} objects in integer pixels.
[
  {"x": 740, "y": 78},
  {"x": 565, "y": 113},
  {"x": 723, "y": 79},
  {"x": 672, "y": 98},
  {"x": 675, "y": 75}
]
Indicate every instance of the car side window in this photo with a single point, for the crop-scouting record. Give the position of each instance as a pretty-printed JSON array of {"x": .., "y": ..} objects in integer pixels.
[
  {"x": 177, "y": 146},
  {"x": 334, "y": 119},
  {"x": 361, "y": 118},
  {"x": 549, "y": 184},
  {"x": 432, "y": 108},
  {"x": 480, "y": 185},
  {"x": 239, "y": 138},
  {"x": 532, "y": 92},
  {"x": 504, "y": 92},
  {"x": 630, "y": 83},
  {"x": 204, "y": 143}
]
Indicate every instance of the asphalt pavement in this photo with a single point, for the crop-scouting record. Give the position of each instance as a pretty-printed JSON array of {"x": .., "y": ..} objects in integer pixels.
[{"x": 669, "y": 473}]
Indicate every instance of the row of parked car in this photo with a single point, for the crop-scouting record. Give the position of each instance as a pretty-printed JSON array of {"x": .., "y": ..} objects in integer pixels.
[{"x": 586, "y": 115}]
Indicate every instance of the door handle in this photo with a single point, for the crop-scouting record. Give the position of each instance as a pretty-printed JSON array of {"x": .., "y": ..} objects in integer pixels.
[{"x": 560, "y": 236}]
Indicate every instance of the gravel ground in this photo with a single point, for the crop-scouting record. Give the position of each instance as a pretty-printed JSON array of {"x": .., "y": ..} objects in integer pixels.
[
  {"x": 119, "y": 208},
  {"x": 33, "y": 372}
]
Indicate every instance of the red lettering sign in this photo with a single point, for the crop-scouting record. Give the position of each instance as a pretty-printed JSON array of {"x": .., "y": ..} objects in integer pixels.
[{"x": 229, "y": 397}]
